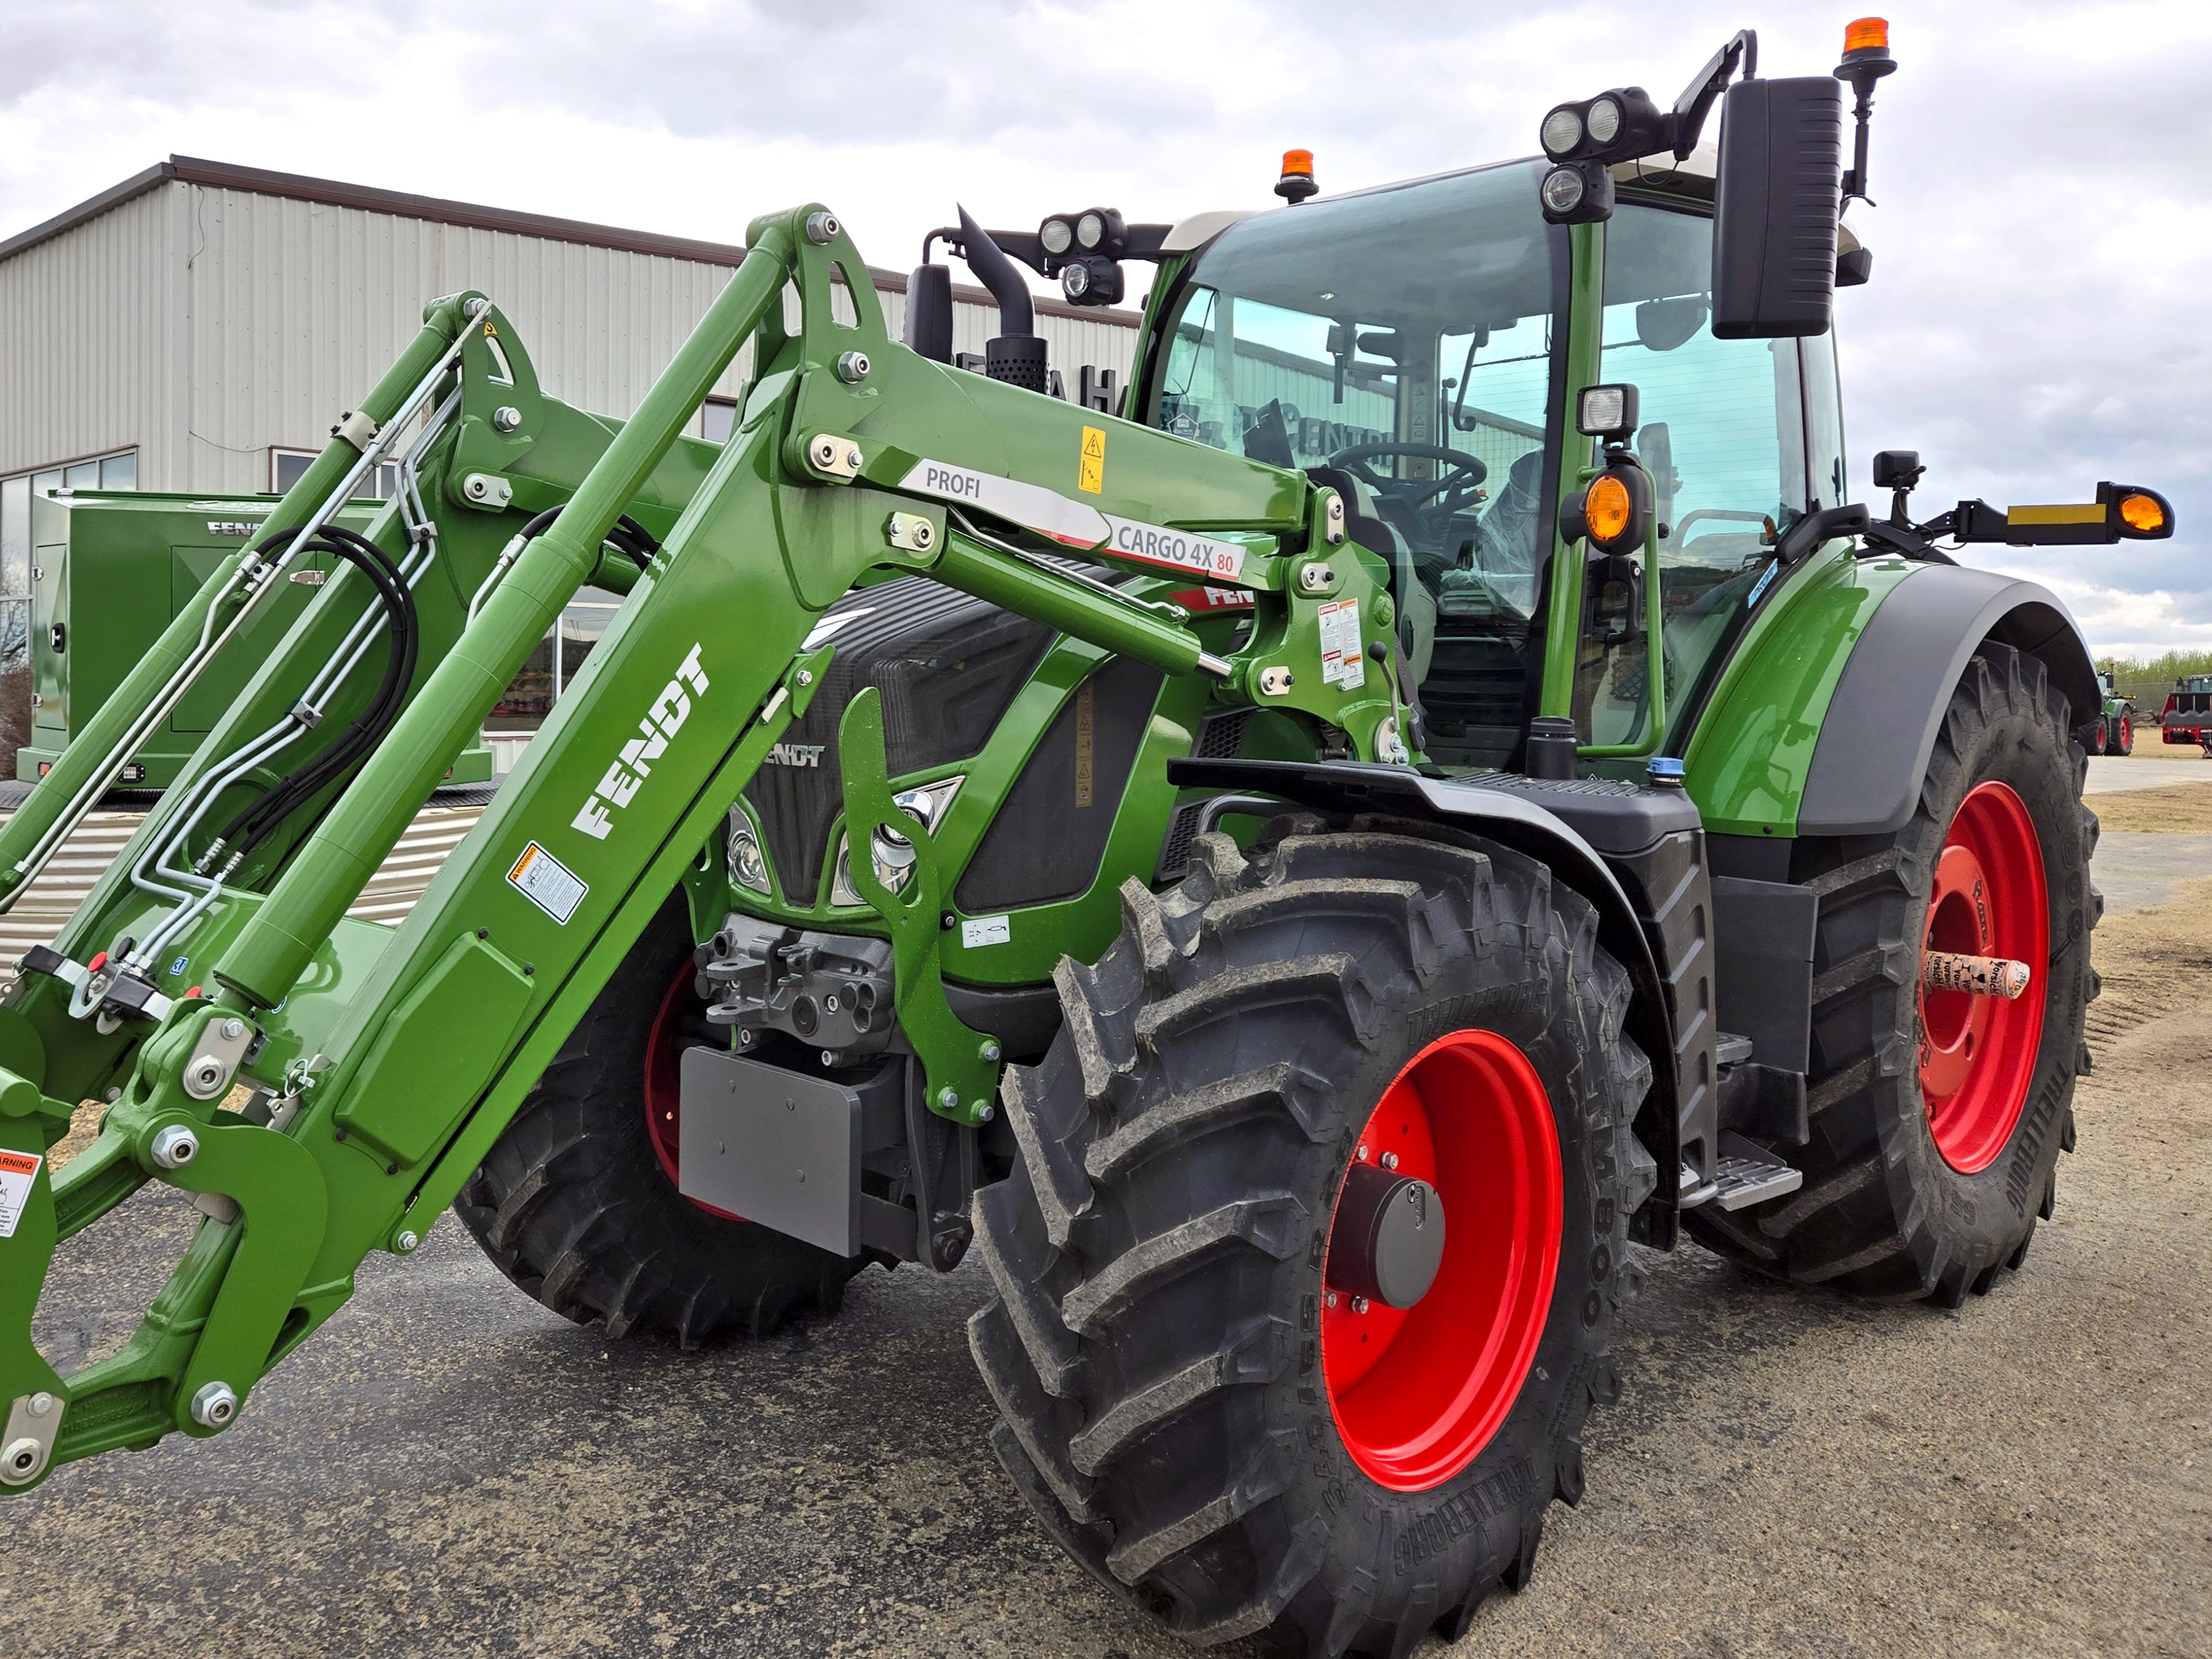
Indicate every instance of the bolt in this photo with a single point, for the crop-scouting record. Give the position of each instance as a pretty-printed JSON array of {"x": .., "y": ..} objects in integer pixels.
[
  {"x": 205, "y": 1077},
  {"x": 233, "y": 1030},
  {"x": 114, "y": 1094},
  {"x": 507, "y": 418},
  {"x": 214, "y": 1405},
  {"x": 1332, "y": 1299},
  {"x": 1359, "y": 1304},
  {"x": 175, "y": 1146},
  {"x": 807, "y": 676},
  {"x": 821, "y": 228},
  {"x": 830, "y": 1003},
  {"x": 948, "y": 1097},
  {"x": 1390, "y": 1160},
  {"x": 41, "y": 1403},
  {"x": 985, "y": 1111},
  {"x": 21, "y": 1457},
  {"x": 407, "y": 1241},
  {"x": 828, "y": 1058},
  {"x": 852, "y": 456},
  {"x": 1360, "y": 1156},
  {"x": 853, "y": 366},
  {"x": 745, "y": 1039},
  {"x": 990, "y": 1051}
]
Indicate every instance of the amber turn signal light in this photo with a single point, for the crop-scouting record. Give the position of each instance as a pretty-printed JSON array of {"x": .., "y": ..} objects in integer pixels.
[
  {"x": 2144, "y": 515},
  {"x": 1607, "y": 508}
]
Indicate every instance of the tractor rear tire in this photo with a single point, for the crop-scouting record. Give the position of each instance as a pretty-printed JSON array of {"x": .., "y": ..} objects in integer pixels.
[
  {"x": 1177, "y": 1384},
  {"x": 2127, "y": 745},
  {"x": 579, "y": 1207},
  {"x": 1937, "y": 1120}
]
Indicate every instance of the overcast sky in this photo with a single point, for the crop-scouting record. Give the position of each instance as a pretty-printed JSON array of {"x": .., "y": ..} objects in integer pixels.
[{"x": 2042, "y": 241}]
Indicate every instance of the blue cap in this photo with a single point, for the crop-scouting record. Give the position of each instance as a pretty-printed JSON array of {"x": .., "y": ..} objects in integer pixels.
[{"x": 1664, "y": 771}]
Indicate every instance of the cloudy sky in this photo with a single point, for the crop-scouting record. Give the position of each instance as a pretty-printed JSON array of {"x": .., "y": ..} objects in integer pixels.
[{"x": 2041, "y": 243}]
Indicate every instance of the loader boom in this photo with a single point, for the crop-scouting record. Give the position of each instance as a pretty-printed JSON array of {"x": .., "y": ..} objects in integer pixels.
[{"x": 383, "y": 1064}]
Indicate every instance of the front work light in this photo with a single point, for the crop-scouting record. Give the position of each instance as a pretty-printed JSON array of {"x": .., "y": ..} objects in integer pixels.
[
  {"x": 1619, "y": 125},
  {"x": 1577, "y": 193},
  {"x": 1606, "y": 412},
  {"x": 1056, "y": 236},
  {"x": 1562, "y": 133}
]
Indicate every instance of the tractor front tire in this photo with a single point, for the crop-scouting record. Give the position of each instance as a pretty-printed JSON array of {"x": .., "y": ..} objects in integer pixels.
[
  {"x": 1937, "y": 1119},
  {"x": 1221, "y": 1436},
  {"x": 578, "y": 1204}
]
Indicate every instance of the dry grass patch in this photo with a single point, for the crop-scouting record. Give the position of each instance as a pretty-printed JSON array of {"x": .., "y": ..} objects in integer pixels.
[{"x": 2177, "y": 809}]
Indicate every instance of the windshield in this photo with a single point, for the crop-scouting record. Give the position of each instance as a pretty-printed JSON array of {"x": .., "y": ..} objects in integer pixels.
[{"x": 1397, "y": 344}]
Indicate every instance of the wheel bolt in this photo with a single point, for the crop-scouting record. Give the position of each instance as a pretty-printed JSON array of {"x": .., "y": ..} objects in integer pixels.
[
  {"x": 1332, "y": 1299},
  {"x": 1361, "y": 1155},
  {"x": 1359, "y": 1304},
  {"x": 1390, "y": 1160}
]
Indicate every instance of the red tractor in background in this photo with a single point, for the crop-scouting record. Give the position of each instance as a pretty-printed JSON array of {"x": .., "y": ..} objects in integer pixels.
[{"x": 2188, "y": 712}]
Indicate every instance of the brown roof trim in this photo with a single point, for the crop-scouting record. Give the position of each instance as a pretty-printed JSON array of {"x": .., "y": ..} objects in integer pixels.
[
  {"x": 224, "y": 175},
  {"x": 69, "y": 218}
]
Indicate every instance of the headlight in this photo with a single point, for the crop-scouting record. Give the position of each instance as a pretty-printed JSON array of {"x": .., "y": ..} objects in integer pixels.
[
  {"x": 1089, "y": 229},
  {"x": 892, "y": 853},
  {"x": 1562, "y": 189},
  {"x": 1561, "y": 131},
  {"x": 748, "y": 866},
  {"x": 1056, "y": 237},
  {"x": 1604, "y": 120},
  {"x": 1075, "y": 280}
]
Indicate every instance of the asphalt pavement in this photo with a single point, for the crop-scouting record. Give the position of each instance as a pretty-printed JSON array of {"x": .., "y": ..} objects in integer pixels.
[{"x": 449, "y": 1468}]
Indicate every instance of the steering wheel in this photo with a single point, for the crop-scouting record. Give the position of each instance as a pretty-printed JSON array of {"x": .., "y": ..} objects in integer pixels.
[{"x": 1457, "y": 487}]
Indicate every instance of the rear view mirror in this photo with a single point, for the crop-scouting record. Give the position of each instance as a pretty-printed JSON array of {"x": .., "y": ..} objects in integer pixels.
[{"x": 1776, "y": 197}]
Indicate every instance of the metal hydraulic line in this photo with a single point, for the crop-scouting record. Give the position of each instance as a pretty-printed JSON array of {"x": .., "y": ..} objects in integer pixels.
[{"x": 336, "y": 862}]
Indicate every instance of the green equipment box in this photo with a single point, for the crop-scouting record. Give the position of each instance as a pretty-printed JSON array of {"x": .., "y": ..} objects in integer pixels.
[{"x": 109, "y": 569}]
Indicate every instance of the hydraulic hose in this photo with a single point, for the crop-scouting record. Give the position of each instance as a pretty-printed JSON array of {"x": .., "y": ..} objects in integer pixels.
[{"x": 260, "y": 817}]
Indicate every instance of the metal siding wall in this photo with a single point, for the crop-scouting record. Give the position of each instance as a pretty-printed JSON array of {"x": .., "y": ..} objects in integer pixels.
[
  {"x": 204, "y": 325},
  {"x": 84, "y": 342}
]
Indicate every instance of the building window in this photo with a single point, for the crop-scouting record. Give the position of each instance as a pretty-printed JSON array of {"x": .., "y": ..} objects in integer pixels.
[
  {"x": 718, "y": 418},
  {"x": 287, "y": 466}
]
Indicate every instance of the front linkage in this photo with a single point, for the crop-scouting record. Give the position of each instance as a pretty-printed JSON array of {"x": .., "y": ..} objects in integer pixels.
[{"x": 383, "y": 1068}]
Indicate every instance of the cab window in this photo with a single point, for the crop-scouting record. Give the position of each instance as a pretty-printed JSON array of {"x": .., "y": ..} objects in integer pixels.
[{"x": 1723, "y": 436}]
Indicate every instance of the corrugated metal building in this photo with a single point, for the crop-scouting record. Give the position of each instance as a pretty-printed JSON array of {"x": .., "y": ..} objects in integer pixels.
[
  {"x": 205, "y": 320},
  {"x": 198, "y": 327}
]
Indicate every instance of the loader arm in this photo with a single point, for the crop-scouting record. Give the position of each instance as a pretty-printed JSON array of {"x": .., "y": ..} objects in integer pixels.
[{"x": 383, "y": 1064}]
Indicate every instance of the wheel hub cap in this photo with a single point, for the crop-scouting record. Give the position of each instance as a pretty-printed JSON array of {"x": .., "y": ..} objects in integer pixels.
[{"x": 1419, "y": 1383}]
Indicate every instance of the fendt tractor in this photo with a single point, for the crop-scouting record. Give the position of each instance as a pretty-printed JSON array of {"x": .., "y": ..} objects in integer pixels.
[{"x": 1297, "y": 875}]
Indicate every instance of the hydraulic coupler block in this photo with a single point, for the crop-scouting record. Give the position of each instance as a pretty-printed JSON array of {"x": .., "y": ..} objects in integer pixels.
[{"x": 830, "y": 991}]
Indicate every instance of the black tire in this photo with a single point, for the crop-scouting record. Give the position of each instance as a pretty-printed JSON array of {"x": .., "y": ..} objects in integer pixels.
[
  {"x": 574, "y": 1206},
  {"x": 1157, "y": 1252},
  {"x": 1881, "y": 1212}
]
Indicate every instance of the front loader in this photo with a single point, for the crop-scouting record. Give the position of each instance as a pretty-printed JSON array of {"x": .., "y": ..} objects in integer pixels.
[{"x": 1295, "y": 875}]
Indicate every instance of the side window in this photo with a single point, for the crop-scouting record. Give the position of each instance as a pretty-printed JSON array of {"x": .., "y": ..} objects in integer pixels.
[
  {"x": 1829, "y": 480},
  {"x": 1723, "y": 436}
]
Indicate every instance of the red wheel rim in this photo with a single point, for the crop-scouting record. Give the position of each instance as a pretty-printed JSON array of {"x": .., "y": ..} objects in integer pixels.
[
  {"x": 1978, "y": 1053},
  {"x": 2127, "y": 733},
  {"x": 664, "y": 1086},
  {"x": 1417, "y": 1392}
]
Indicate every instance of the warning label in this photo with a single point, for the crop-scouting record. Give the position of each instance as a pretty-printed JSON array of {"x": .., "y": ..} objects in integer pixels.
[
  {"x": 1341, "y": 663},
  {"x": 986, "y": 930},
  {"x": 1091, "y": 472},
  {"x": 17, "y": 1171},
  {"x": 547, "y": 883}
]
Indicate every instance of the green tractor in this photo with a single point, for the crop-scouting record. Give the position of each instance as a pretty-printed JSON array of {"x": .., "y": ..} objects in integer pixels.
[{"x": 1297, "y": 874}]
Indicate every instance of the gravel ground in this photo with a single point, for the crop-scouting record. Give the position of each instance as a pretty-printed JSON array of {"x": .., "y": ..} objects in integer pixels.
[{"x": 449, "y": 1468}]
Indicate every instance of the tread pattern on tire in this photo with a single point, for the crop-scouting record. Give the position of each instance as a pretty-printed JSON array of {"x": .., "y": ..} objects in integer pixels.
[
  {"x": 1152, "y": 1248},
  {"x": 573, "y": 1206}
]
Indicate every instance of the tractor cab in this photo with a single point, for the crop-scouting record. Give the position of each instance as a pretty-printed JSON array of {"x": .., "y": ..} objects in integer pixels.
[{"x": 1411, "y": 346}]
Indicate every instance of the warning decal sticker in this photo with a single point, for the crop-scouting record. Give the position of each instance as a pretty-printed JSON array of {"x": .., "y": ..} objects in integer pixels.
[
  {"x": 1090, "y": 470},
  {"x": 1341, "y": 661},
  {"x": 547, "y": 883},
  {"x": 17, "y": 1171}
]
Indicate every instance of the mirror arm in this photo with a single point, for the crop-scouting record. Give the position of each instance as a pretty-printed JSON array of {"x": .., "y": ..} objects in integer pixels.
[{"x": 1688, "y": 115}]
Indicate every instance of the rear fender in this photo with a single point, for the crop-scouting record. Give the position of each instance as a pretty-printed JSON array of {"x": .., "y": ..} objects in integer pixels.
[{"x": 1879, "y": 726}]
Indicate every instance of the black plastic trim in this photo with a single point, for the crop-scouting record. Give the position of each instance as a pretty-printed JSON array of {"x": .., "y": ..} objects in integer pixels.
[{"x": 1880, "y": 726}]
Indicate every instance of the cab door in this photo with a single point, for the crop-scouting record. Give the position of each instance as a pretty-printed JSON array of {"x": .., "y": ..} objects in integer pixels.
[{"x": 50, "y": 664}]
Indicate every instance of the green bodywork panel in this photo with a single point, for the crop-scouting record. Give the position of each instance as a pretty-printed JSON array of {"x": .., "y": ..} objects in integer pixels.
[{"x": 1749, "y": 757}]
